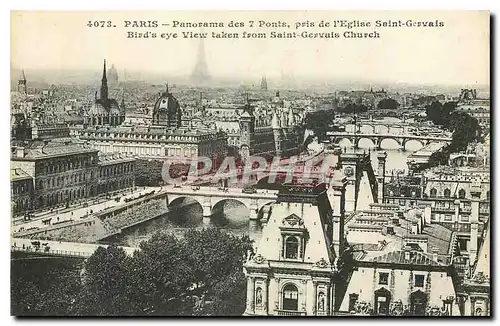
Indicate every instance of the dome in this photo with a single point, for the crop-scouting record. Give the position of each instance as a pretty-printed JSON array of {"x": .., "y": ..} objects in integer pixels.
[
  {"x": 168, "y": 103},
  {"x": 167, "y": 111}
]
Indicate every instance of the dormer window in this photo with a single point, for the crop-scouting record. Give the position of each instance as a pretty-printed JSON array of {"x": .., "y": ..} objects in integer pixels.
[{"x": 293, "y": 233}]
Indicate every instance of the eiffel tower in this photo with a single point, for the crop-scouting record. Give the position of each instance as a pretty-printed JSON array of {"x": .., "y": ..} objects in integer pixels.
[{"x": 200, "y": 73}]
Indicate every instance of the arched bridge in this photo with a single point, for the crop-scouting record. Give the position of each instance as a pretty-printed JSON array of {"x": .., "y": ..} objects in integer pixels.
[
  {"x": 377, "y": 138},
  {"x": 208, "y": 197}
]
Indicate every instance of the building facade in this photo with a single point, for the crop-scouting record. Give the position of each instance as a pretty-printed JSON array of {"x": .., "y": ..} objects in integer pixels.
[
  {"x": 62, "y": 172},
  {"x": 297, "y": 260}
]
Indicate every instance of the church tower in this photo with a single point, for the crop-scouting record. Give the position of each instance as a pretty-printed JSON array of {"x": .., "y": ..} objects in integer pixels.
[
  {"x": 21, "y": 84},
  {"x": 104, "y": 83},
  {"x": 247, "y": 127},
  {"x": 275, "y": 124}
]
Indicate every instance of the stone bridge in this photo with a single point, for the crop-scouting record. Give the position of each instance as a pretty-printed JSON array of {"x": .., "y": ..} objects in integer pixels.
[
  {"x": 209, "y": 197},
  {"x": 377, "y": 138}
]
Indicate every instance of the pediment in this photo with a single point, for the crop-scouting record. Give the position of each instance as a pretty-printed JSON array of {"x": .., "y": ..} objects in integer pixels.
[{"x": 293, "y": 220}]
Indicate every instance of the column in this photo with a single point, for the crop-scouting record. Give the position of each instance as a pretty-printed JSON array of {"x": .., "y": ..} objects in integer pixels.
[
  {"x": 332, "y": 300},
  {"x": 250, "y": 295},
  {"x": 253, "y": 214},
  {"x": 315, "y": 298},
  {"x": 328, "y": 300},
  {"x": 207, "y": 212},
  {"x": 249, "y": 298},
  {"x": 264, "y": 296}
]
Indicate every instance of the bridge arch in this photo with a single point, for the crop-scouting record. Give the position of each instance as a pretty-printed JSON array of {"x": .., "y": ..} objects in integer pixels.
[
  {"x": 394, "y": 139},
  {"x": 407, "y": 141},
  {"x": 338, "y": 140},
  {"x": 177, "y": 206},
  {"x": 230, "y": 212},
  {"x": 372, "y": 140},
  {"x": 367, "y": 126}
]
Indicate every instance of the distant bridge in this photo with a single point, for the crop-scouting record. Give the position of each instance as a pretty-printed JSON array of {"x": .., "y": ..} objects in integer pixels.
[
  {"x": 59, "y": 249},
  {"x": 377, "y": 138}
]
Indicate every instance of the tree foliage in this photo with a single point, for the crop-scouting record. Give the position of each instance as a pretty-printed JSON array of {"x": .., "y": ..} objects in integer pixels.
[
  {"x": 388, "y": 104},
  {"x": 198, "y": 273},
  {"x": 353, "y": 108},
  {"x": 320, "y": 122}
]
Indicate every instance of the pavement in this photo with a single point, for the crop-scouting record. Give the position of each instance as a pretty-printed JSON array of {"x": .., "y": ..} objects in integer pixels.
[
  {"x": 75, "y": 213},
  {"x": 58, "y": 247}
]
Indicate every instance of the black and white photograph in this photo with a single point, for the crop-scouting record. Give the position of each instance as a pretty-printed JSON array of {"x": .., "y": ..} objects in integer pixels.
[{"x": 250, "y": 163}]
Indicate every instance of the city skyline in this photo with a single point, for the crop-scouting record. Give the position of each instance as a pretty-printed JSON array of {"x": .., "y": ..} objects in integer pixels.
[{"x": 451, "y": 55}]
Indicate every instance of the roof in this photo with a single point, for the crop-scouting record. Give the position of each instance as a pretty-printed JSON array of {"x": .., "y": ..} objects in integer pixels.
[
  {"x": 398, "y": 257},
  {"x": 18, "y": 174},
  {"x": 38, "y": 150},
  {"x": 439, "y": 237},
  {"x": 303, "y": 216}
]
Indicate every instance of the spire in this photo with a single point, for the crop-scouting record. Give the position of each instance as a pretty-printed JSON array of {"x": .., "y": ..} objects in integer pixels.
[
  {"x": 104, "y": 83},
  {"x": 104, "y": 71},
  {"x": 166, "y": 88},
  {"x": 23, "y": 76}
]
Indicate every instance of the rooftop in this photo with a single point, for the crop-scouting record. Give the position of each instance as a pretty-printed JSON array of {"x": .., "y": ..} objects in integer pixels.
[{"x": 18, "y": 174}]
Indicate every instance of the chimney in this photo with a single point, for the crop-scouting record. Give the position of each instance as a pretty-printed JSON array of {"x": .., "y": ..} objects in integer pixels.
[
  {"x": 435, "y": 254},
  {"x": 407, "y": 250},
  {"x": 19, "y": 151},
  {"x": 414, "y": 228},
  {"x": 427, "y": 215}
]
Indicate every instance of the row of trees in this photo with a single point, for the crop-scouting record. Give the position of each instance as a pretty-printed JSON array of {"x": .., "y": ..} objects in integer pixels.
[
  {"x": 198, "y": 273},
  {"x": 465, "y": 128}
]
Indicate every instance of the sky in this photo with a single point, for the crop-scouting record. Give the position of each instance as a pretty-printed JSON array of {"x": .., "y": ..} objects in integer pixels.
[{"x": 455, "y": 54}]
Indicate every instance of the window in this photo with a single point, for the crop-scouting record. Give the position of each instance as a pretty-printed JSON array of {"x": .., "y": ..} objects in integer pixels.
[
  {"x": 292, "y": 248},
  {"x": 461, "y": 193},
  {"x": 448, "y": 217},
  {"x": 383, "y": 278},
  {"x": 447, "y": 192},
  {"x": 419, "y": 281},
  {"x": 353, "y": 298},
  {"x": 290, "y": 297}
]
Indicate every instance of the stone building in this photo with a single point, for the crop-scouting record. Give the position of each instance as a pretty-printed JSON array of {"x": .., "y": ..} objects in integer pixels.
[
  {"x": 21, "y": 186},
  {"x": 62, "y": 172},
  {"x": 164, "y": 138},
  {"x": 403, "y": 264},
  {"x": 298, "y": 258}
]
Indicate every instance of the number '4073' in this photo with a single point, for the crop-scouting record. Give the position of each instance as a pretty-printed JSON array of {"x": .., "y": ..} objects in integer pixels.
[{"x": 99, "y": 23}]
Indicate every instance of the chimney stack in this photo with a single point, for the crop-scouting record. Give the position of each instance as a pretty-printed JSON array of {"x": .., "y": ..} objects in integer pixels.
[
  {"x": 435, "y": 254},
  {"x": 414, "y": 228},
  {"x": 427, "y": 215}
]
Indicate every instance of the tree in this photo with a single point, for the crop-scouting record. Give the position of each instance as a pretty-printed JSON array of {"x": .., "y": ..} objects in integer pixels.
[
  {"x": 434, "y": 112},
  {"x": 106, "y": 282},
  {"x": 388, "y": 104},
  {"x": 319, "y": 122},
  {"x": 439, "y": 114},
  {"x": 148, "y": 173},
  {"x": 353, "y": 108},
  {"x": 465, "y": 129}
]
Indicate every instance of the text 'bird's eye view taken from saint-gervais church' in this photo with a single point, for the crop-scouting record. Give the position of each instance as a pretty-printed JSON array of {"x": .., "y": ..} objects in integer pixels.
[{"x": 231, "y": 163}]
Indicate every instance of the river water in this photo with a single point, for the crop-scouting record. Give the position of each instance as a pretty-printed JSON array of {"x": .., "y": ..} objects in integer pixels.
[{"x": 232, "y": 216}]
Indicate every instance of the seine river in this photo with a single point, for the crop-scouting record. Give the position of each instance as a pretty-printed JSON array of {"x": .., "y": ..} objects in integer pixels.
[{"x": 232, "y": 216}]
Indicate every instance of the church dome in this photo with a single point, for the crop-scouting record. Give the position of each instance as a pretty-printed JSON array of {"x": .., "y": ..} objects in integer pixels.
[
  {"x": 167, "y": 103},
  {"x": 167, "y": 111}
]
